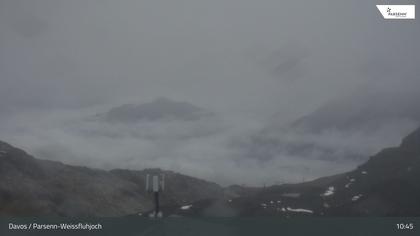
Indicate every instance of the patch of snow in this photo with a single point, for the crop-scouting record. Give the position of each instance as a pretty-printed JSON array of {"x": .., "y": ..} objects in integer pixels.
[
  {"x": 230, "y": 200},
  {"x": 352, "y": 180},
  {"x": 347, "y": 185},
  {"x": 364, "y": 172},
  {"x": 278, "y": 201},
  {"x": 186, "y": 207},
  {"x": 326, "y": 205},
  {"x": 271, "y": 202},
  {"x": 283, "y": 209},
  {"x": 357, "y": 197},
  {"x": 329, "y": 191},
  {"x": 140, "y": 214},
  {"x": 300, "y": 210},
  {"x": 263, "y": 205}
]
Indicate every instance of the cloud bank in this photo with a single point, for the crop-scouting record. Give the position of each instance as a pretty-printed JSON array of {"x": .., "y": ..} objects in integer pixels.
[{"x": 251, "y": 63}]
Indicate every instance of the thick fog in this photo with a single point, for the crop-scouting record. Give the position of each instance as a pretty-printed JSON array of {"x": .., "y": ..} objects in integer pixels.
[{"x": 252, "y": 69}]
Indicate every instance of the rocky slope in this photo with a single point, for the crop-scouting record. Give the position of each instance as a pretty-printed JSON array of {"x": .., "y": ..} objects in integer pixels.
[
  {"x": 386, "y": 185},
  {"x": 30, "y": 186}
]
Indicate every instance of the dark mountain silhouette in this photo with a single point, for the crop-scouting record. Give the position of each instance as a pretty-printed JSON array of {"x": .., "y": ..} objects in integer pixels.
[
  {"x": 363, "y": 110},
  {"x": 157, "y": 110},
  {"x": 30, "y": 186},
  {"x": 368, "y": 113},
  {"x": 386, "y": 185}
]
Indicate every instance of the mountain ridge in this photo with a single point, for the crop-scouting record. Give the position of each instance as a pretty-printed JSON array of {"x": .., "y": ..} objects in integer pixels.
[
  {"x": 159, "y": 109},
  {"x": 29, "y": 186},
  {"x": 385, "y": 185}
]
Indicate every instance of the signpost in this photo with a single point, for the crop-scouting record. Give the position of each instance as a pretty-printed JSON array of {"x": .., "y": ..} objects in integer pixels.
[{"x": 155, "y": 184}]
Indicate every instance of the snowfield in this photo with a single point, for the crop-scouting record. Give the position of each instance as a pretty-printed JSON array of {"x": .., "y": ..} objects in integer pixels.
[
  {"x": 186, "y": 207},
  {"x": 328, "y": 192},
  {"x": 300, "y": 210},
  {"x": 357, "y": 197}
]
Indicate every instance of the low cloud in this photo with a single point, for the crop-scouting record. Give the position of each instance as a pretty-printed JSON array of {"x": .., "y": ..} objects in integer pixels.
[
  {"x": 62, "y": 62},
  {"x": 217, "y": 148}
]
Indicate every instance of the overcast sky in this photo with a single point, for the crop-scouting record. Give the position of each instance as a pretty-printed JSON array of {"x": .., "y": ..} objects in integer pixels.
[{"x": 245, "y": 60}]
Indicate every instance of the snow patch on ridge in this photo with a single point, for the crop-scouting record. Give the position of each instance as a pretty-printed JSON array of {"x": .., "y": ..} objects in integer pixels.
[
  {"x": 329, "y": 191},
  {"x": 300, "y": 210}
]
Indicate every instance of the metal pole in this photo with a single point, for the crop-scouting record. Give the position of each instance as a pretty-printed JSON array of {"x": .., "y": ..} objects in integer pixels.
[
  {"x": 156, "y": 203},
  {"x": 147, "y": 182}
]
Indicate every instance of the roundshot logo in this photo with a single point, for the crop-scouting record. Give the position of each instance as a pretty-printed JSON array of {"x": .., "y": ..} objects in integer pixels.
[{"x": 397, "y": 11}]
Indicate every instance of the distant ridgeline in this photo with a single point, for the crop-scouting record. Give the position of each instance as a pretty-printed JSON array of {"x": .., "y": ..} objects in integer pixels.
[
  {"x": 32, "y": 187},
  {"x": 386, "y": 185},
  {"x": 160, "y": 109}
]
